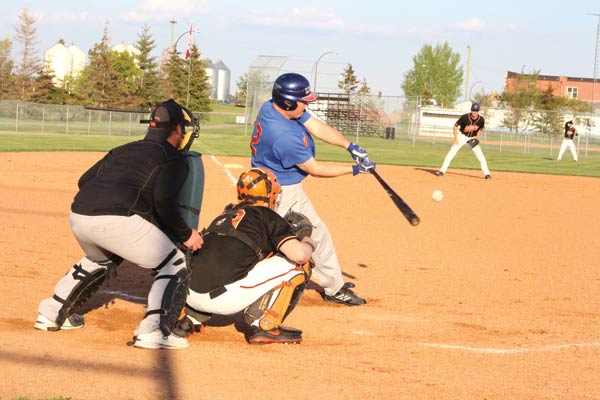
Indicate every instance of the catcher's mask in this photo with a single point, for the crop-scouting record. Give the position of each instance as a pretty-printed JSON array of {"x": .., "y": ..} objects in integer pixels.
[{"x": 259, "y": 186}]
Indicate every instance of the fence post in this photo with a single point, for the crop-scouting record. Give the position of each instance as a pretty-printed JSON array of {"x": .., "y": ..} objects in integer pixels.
[
  {"x": 501, "y": 138},
  {"x": 129, "y": 126},
  {"x": 17, "y": 119},
  {"x": 43, "y": 118},
  {"x": 89, "y": 120},
  {"x": 67, "y": 125},
  {"x": 109, "y": 122}
]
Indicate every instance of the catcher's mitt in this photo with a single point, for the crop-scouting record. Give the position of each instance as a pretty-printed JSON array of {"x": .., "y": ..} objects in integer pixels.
[
  {"x": 473, "y": 142},
  {"x": 301, "y": 225}
]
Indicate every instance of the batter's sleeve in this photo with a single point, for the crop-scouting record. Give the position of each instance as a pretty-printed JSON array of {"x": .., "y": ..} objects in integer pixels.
[{"x": 292, "y": 149}]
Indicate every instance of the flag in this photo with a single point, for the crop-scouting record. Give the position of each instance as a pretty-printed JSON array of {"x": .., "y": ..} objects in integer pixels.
[{"x": 189, "y": 45}]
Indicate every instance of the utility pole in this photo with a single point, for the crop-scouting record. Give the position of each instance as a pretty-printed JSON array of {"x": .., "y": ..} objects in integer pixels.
[
  {"x": 595, "y": 58},
  {"x": 468, "y": 70},
  {"x": 173, "y": 22}
]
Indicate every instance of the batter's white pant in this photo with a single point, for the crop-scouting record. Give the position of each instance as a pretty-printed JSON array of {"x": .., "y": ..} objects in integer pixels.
[
  {"x": 131, "y": 238},
  {"x": 462, "y": 140},
  {"x": 563, "y": 146},
  {"x": 327, "y": 267},
  {"x": 266, "y": 275}
]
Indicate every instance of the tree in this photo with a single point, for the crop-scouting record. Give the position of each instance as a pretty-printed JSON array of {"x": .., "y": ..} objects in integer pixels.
[
  {"x": 198, "y": 89},
  {"x": 520, "y": 101},
  {"x": 436, "y": 75},
  {"x": 7, "y": 81},
  {"x": 364, "y": 88},
  {"x": 46, "y": 91},
  {"x": 149, "y": 91},
  {"x": 29, "y": 64},
  {"x": 127, "y": 76},
  {"x": 242, "y": 90},
  {"x": 348, "y": 81}
]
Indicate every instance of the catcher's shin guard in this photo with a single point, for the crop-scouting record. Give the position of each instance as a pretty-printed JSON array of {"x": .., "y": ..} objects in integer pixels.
[
  {"x": 273, "y": 307},
  {"x": 88, "y": 283},
  {"x": 173, "y": 300}
]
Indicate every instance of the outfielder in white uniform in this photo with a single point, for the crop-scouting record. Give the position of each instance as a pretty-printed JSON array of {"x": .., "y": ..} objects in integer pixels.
[
  {"x": 467, "y": 130},
  {"x": 282, "y": 142},
  {"x": 567, "y": 143}
]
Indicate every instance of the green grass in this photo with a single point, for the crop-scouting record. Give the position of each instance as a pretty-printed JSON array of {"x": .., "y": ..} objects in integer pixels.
[{"x": 233, "y": 140}]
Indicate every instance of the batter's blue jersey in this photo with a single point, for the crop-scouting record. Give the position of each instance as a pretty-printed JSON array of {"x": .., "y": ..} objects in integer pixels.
[{"x": 279, "y": 144}]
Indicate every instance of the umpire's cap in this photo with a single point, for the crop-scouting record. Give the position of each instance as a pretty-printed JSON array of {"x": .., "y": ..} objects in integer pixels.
[
  {"x": 475, "y": 107},
  {"x": 168, "y": 115}
]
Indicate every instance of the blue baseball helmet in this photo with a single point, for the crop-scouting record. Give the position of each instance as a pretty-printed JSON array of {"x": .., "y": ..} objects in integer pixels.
[
  {"x": 475, "y": 107},
  {"x": 289, "y": 89}
]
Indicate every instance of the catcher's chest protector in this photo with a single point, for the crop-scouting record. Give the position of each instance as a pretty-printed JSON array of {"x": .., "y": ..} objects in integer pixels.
[{"x": 190, "y": 196}]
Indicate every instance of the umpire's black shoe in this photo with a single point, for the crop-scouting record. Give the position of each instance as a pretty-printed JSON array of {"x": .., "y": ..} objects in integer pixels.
[
  {"x": 439, "y": 173},
  {"x": 282, "y": 335},
  {"x": 488, "y": 177},
  {"x": 346, "y": 296}
]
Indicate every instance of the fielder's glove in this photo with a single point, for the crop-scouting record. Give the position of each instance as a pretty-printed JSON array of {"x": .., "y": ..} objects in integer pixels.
[
  {"x": 473, "y": 142},
  {"x": 301, "y": 225},
  {"x": 357, "y": 152}
]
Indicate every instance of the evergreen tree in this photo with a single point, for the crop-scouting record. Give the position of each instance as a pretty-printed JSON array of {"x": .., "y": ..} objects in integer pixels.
[
  {"x": 196, "y": 98},
  {"x": 46, "y": 91},
  {"x": 29, "y": 64},
  {"x": 364, "y": 88},
  {"x": 348, "y": 81},
  {"x": 7, "y": 79},
  {"x": 127, "y": 76},
  {"x": 149, "y": 91}
]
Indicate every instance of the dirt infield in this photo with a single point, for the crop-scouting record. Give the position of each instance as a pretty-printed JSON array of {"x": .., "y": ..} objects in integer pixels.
[{"x": 495, "y": 295}]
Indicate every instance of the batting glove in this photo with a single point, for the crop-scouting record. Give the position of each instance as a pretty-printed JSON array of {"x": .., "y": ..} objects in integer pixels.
[
  {"x": 357, "y": 152},
  {"x": 364, "y": 166}
]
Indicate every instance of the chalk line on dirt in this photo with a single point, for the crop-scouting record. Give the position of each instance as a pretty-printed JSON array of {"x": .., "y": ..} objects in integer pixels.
[
  {"x": 225, "y": 167},
  {"x": 491, "y": 350}
]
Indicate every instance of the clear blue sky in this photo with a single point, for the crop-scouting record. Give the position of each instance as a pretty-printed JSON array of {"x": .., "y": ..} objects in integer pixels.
[{"x": 379, "y": 38}]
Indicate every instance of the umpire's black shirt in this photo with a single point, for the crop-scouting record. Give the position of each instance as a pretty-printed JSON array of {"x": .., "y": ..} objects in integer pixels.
[{"x": 143, "y": 178}]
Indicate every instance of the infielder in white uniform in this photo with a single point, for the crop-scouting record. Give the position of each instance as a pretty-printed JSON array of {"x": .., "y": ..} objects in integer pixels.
[
  {"x": 471, "y": 127},
  {"x": 570, "y": 133}
]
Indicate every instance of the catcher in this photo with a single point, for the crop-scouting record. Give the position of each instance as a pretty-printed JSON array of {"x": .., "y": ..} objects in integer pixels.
[
  {"x": 471, "y": 127},
  {"x": 251, "y": 261}
]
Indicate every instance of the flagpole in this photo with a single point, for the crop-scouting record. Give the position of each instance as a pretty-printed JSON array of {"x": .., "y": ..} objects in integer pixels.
[{"x": 187, "y": 56}]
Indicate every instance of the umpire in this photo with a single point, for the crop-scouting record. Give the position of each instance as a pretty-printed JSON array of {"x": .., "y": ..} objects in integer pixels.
[{"x": 126, "y": 208}]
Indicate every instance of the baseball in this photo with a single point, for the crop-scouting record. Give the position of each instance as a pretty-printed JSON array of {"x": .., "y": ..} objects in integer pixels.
[{"x": 437, "y": 195}]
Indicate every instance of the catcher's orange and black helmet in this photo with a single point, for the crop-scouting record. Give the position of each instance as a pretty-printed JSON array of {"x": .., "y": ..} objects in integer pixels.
[{"x": 258, "y": 186}]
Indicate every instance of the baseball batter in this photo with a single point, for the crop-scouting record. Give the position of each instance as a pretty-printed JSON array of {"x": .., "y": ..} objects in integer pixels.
[
  {"x": 570, "y": 133},
  {"x": 251, "y": 260},
  {"x": 470, "y": 126},
  {"x": 282, "y": 142},
  {"x": 126, "y": 208}
]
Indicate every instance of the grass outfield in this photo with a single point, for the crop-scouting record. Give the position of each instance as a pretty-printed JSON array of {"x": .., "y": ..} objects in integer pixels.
[{"x": 234, "y": 141}]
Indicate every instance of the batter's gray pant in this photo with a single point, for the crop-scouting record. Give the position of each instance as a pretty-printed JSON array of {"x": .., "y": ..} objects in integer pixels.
[{"x": 327, "y": 267}]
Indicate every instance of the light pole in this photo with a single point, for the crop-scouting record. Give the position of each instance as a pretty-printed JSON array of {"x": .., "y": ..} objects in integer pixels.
[
  {"x": 317, "y": 66},
  {"x": 471, "y": 90},
  {"x": 595, "y": 58}
]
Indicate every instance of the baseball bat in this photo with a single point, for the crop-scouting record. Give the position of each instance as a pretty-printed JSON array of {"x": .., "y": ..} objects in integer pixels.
[{"x": 408, "y": 212}]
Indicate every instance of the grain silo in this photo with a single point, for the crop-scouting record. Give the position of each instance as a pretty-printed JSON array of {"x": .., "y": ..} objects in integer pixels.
[
  {"x": 60, "y": 60},
  {"x": 212, "y": 77},
  {"x": 79, "y": 60},
  {"x": 223, "y": 80}
]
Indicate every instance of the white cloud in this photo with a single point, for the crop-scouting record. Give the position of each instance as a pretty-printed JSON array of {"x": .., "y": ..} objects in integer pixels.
[
  {"x": 473, "y": 24},
  {"x": 161, "y": 10}
]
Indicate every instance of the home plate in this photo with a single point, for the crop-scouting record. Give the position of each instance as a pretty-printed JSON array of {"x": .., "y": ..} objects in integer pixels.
[{"x": 233, "y": 166}]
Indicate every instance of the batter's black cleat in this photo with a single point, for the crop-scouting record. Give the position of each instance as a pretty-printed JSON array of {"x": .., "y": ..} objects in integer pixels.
[
  {"x": 439, "y": 173},
  {"x": 488, "y": 177},
  {"x": 346, "y": 296},
  {"x": 282, "y": 335}
]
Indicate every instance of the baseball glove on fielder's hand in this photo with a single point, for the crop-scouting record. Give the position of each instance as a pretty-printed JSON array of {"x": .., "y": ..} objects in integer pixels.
[
  {"x": 473, "y": 142},
  {"x": 301, "y": 225}
]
